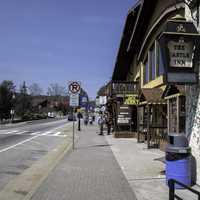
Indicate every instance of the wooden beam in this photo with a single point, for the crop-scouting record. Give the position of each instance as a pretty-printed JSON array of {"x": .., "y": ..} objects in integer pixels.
[{"x": 178, "y": 114}]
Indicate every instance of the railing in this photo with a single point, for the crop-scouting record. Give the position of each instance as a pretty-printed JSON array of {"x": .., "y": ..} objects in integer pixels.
[{"x": 173, "y": 196}]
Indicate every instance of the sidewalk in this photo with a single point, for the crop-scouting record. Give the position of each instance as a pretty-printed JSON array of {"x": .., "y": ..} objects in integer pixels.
[
  {"x": 106, "y": 168},
  {"x": 90, "y": 172},
  {"x": 143, "y": 170}
]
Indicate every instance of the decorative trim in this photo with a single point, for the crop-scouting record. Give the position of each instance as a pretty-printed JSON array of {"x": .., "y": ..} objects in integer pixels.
[{"x": 169, "y": 10}]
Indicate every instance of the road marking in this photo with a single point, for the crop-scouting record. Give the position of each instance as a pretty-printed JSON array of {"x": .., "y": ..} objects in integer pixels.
[
  {"x": 20, "y": 143},
  {"x": 46, "y": 133},
  {"x": 35, "y": 133},
  {"x": 57, "y": 134},
  {"x": 10, "y": 132},
  {"x": 19, "y": 133}
]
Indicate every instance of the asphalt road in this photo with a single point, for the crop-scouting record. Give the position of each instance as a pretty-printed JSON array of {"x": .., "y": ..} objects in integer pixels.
[{"x": 23, "y": 144}]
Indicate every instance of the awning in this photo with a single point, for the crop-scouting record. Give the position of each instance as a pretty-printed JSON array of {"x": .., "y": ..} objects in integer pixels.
[
  {"x": 172, "y": 91},
  {"x": 151, "y": 96}
]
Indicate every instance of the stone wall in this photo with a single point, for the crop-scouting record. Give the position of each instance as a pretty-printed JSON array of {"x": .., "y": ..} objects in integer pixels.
[
  {"x": 193, "y": 113},
  {"x": 193, "y": 123}
]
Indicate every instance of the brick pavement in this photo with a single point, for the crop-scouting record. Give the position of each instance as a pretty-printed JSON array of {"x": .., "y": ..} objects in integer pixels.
[{"x": 91, "y": 172}]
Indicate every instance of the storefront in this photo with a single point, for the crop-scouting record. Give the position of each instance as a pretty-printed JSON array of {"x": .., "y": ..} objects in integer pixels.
[
  {"x": 152, "y": 118},
  {"x": 124, "y": 100},
  {"x": 160, "y": 49},
  {"x": 176, "y": 114}
]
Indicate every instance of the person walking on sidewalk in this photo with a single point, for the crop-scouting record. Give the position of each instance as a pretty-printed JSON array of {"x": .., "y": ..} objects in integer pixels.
[
  {"x": 108, "y": 121},
  {"x": 90, "y": 119},
  {"x": 101, "y": 123},
  {"x": 86, "y": 119}
]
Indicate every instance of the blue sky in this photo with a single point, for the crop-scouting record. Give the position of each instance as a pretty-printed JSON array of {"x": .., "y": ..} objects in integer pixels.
[{"x": 56, "y": 41}]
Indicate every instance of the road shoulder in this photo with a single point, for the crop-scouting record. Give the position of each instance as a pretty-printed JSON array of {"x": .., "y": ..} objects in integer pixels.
[{"x": 27, "y": 183}]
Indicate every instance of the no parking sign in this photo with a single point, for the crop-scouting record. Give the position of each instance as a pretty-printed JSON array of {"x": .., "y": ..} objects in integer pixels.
[{"x": 74, "y": 87}]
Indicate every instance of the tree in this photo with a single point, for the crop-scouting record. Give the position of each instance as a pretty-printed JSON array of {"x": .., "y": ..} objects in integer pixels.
[
  {"x": 7, "y": 90},
  {"x": 56, "y": 90},
  {"x": 23, "y": 101},
  {"x": 35, "y": 89}
]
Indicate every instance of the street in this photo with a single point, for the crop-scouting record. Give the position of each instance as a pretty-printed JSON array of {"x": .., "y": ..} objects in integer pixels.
[{"x": 22, "y": 145}]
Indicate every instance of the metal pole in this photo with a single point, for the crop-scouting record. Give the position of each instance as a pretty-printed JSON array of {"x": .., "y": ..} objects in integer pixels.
[
  {"x": 73, "y": 127},
  {"x": 148, "y": 126},
  {"x": 79, "y": 124},
  {"x": 171, "y": 189}
]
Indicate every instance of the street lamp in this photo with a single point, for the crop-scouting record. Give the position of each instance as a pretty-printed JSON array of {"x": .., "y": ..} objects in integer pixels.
[{"x": 12, "y": 111}]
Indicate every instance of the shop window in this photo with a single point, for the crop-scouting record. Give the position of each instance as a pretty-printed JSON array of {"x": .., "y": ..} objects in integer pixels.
[
  {"x": 160, "y": 61},
  {"x": 182, "y": 114},
  {"x": 152, "y": 63},
  {"x": 146, "y": 72},
  {"x": 177, "y": 116},
  {"x": 173, "y": 115}
]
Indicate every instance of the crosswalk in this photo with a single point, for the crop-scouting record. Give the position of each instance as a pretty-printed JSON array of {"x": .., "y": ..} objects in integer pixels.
[{"x": 33, "y": 133}]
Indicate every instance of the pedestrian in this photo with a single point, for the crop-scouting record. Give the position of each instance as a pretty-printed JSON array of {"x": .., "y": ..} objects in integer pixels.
[
  {"x": 93, "y": 118},
  {"x": 100, "y": 123},
  {"x": 86, "y": 119},
  {"x": 108, "y": 121},
  {"x": 90, "y": 120},
  {"x": 80, "y": 116}
]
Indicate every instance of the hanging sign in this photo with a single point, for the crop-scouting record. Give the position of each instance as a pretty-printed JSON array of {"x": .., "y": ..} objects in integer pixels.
[
  {"x": 180, "y": 53},
  {"x": 179, "y": 46}
]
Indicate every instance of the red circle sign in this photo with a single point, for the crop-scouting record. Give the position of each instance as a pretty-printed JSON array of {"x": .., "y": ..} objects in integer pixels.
[{"x": 74, "y": 87}]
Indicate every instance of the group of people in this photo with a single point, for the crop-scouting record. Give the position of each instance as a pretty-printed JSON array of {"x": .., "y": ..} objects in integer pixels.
[
  {"x": 89, "y": 118},
  {"x": 105, "y": 119}
]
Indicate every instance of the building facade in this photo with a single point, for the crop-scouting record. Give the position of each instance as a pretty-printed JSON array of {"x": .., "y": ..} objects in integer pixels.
[{"x": 159, "y": 50}]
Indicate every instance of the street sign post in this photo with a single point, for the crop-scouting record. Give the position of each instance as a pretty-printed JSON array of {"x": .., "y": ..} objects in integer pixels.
[
  {"x": 74, "y": 100},
  {"x": 74, "y": 88}
]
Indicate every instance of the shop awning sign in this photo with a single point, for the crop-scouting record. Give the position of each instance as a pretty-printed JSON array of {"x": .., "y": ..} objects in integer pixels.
[
  {"x": 123, "y": 87},
  {"x": 131, "y": 99}
]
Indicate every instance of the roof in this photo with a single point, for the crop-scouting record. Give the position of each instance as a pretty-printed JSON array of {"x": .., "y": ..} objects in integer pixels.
[
  {"x": 153, "y": 95},
  {"x": 174, "y": 90},
  {"x": 124, "y": 58}
]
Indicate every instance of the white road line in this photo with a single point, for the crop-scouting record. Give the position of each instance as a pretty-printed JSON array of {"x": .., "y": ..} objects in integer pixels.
[
  {"x": 47, "y": 133},
  {"x": 57, "y": 134},
  {"x": 10, "y": 132},
  {"x": 19, "y": 133},
  {"x": 20, "y": 143},
  {"x": 35, "y": 133}
]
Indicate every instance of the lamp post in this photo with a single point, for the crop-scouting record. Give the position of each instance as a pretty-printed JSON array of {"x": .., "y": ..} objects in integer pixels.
[{"x": 12, "y": 111}]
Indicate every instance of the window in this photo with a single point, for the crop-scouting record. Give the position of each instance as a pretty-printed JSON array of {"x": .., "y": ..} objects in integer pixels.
[
  {"x": 152, "y": 63},
  {"x": 146, "y": 72},
  {"x": 160, "y": 62}
]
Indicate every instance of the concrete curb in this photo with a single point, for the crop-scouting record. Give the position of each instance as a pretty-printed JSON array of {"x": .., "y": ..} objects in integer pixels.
[{"x": 25, "y": 185}]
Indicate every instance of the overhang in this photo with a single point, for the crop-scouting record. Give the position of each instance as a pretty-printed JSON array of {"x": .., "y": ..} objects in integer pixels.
[
  {"x": 151, "y": 96},
  {"x": 123, "y": 59},
  {"x": 174, "y": 90}
]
